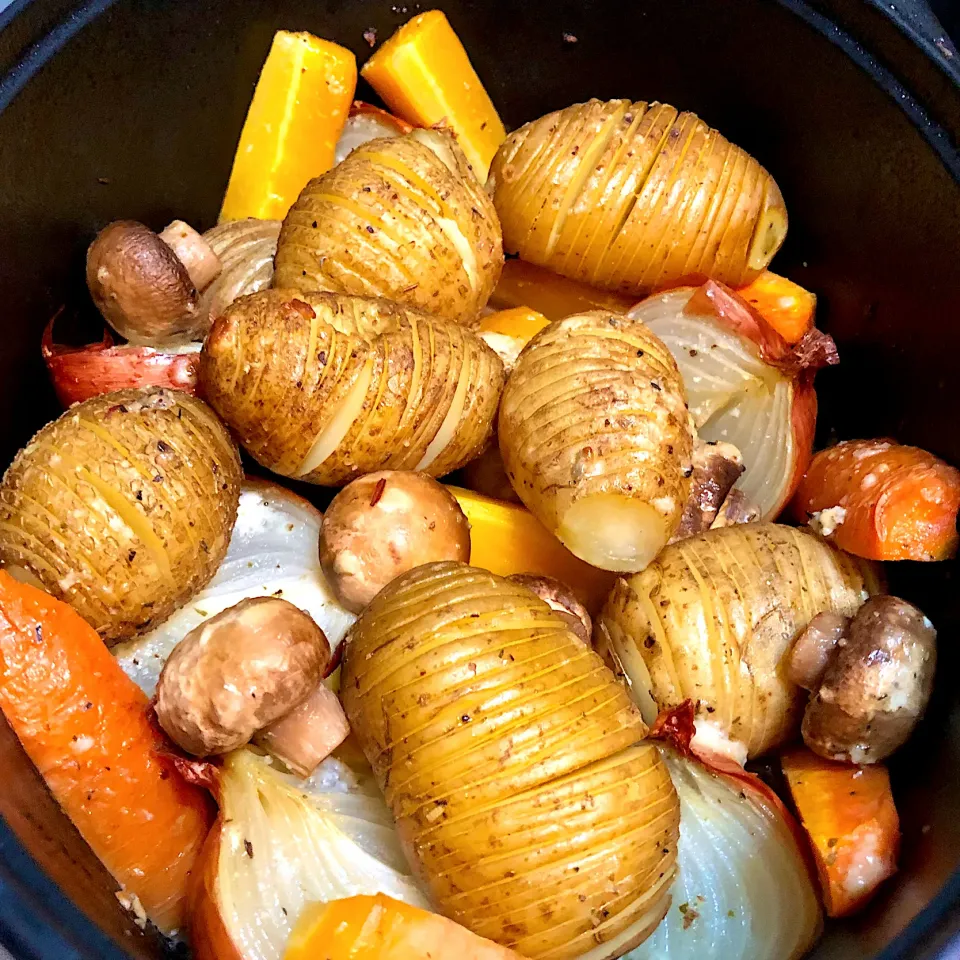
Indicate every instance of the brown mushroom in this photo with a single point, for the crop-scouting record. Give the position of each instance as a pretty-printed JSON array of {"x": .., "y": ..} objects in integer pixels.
[
  {"x": 237, "y": 672},
  {"x": 716, "y": 468},
  {"x": 561, "y": 599},
  {"x": 384, "y": 524},
  {"x": 203, "y": 265},
  {"x": 814, "y": 649},
  {"x": 876, "y": 686},
  {"x": 140, "y": 286},
  {"x": 736, "y": 508}
]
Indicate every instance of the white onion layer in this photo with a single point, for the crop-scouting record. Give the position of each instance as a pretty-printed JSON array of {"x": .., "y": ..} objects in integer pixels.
[
  {"x": 282, "y": 848},
  {"x": 733, "y": 395},
  {"x": 359, "y": 129},
  {"x": 274, "y": 552},
  {"x": 743, "y": 890}
]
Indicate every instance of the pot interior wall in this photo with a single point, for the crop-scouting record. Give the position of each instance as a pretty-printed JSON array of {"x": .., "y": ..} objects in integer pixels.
[{"x": 137, "y": 116}]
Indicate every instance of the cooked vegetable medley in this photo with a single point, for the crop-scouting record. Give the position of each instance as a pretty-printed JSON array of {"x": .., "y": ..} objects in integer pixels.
[{"x": 579, "y": 571}]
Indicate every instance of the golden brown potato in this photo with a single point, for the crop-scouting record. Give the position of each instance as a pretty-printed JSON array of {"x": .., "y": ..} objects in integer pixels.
[
  {"x": 510, "y": 758},
  {"x": 713, "y": 620},
  {"x": 876, "y": 685},
  {"x": 123, "y": 507},
  {"x": 596, "y": 438},
  {"x": 325, "y": 387},
  {"x": 237, "y": 672},
  {"x": 402, "y": 218},
  {"x": 384, "y": 524},
  {"x": 634, "y": 197}
]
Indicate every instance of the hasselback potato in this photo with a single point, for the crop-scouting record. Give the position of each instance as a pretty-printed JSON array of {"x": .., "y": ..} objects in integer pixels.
[
  {"x": 596, "y": 438},
  {"x": 511, "y": 760},
  {"x": 634, "y": 197},
  {"x": 123, "y": 507},
  {"x": 712, "y": 619},
  {"x": 325, "y": 387},
  {"x": 402, "y": 218}
]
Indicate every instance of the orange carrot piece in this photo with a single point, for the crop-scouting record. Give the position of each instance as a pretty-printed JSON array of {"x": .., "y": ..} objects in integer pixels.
[
  {"x": 851, "y": 822},
  {"x": 519, "y": 322},
  {"x": 85, "y": 725},
  {"x": 785, "y": 305},
  {"x": 896, "y": 502},
  {"x": 381, "y": 928},
  {"x": 524, "y": 285}
]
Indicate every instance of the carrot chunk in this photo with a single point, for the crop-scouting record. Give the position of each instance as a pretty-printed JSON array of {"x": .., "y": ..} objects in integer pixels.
[
  {"x": 85, "y": 726},
  {"x": 519, "y": 322},
  {"x": 785, "y": 305},
  {"x": 851, "y": 822},
  {"x": 524, "y": 285},
  {"x": 506, "y": 538},
  {"x": 381, "y": 928},
  {"x": 425, "y": 77},
  {"x": 299, "y": 107},
  {"x": 882, "y": 501}
]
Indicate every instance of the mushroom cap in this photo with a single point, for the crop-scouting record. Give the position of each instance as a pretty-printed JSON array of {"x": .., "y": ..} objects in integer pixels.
[
  {"x": 561, "y": 599},
  {"x": 140, "y": 286}
]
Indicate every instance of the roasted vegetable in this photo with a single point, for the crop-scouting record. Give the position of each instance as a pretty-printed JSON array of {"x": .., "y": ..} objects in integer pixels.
[
  {"x": 874, "y": 683},
  {"x": 365, "y": 123},
  {"x": 852, "y": 824},
  {"x": 510, "y": 758},
  {"x": 596, "y": 438},
  {"x": 507, "y": 539},
  {"x": 384, "y": 524},
  {"x": 716, "y": 468},
  {"x": 560, "y": 599},
  {"x": 743, "y": 889},
  {"x": 882, "y": 501},
  {"x": 785, "y": 305},
  {"x": 635, "y": 197},
  {"x": 424, "y": 76},
  {"x": 246, "y": 249},
  {"x": 237, "y": 672},
  {"x": 507, "y": 332},
  {"x": 326, "y": 387},
  {"x": 276, "y": 848},
  {"x": 402, "y": 218},
  {"x": 745, "y": 384},
  {"x": 291, "y": 131},
  {"x": 712, "y": 620},
  {"x": 86, "y": 728},
  {"x": 140, "y": 286},
  {"x": 381, "y": 928},
  {"x": 272, "y": 553},
  {"x": 123, "y": 506},
  {"x": 524, "y": 285}
]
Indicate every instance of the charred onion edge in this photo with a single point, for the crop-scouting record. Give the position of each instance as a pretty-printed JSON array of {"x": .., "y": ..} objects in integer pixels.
[{"x": 360, "y": 108}]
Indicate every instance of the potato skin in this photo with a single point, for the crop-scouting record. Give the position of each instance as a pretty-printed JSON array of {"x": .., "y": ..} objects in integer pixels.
[
  {"x": 282, "y": 368},
  {"x": 596, "y": 406},
  {"x": 510, "y": 758},
  {"x": 402, "y": 218},
  {"x": 382, "y": 525},
  {"x": 237, "y": 672},
  {"x": 714, "y": 617},
  {"x": 566, "y": 190},
  {"x": 123, "y": 507}
]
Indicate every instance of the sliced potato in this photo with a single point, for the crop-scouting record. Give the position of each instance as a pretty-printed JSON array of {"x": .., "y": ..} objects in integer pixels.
[
  {"x": 713, "y": 620},
  {"x": 510, "y": 758},
  {"x": 123, "y": 507},
  {"x": 596, "y": 438},
  {"x": 635, "y": 197},
  {"x": 403, "y": 218},
  {"x": 325, "y": 387}
]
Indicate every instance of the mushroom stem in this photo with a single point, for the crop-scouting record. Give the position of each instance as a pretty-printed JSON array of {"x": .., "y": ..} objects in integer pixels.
[{"x": 202, "y": 264}]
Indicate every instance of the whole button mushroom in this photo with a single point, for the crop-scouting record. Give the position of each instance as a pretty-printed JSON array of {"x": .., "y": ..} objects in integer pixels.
[
  {"x": 238, "y": 672},
  {"x": 144, "y": 290},
  {"x": 384, "y": 524},
  {"x": 870, "y": 678}
]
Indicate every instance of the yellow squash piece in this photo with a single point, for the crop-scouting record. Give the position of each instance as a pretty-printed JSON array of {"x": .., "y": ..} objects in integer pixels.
[
  {"x": 295, "y": 119},
  {"x": 521, "y": 323},
  {"x": 506, "y": 539},
  {"x": 424, "y": 76}
]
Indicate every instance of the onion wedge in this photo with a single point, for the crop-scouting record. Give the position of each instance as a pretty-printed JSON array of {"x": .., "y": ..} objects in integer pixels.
[
  {"x": 274, "y": 551},
  {"x": 367, "y": 122},
  {"x": 745, "y": 384},
  {"x": 274, "y": 849},
  {"x": 79, "y": 373}
]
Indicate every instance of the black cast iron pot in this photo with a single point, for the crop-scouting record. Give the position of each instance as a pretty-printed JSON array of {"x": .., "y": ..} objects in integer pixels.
[{"x": 131, "y": 108}]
